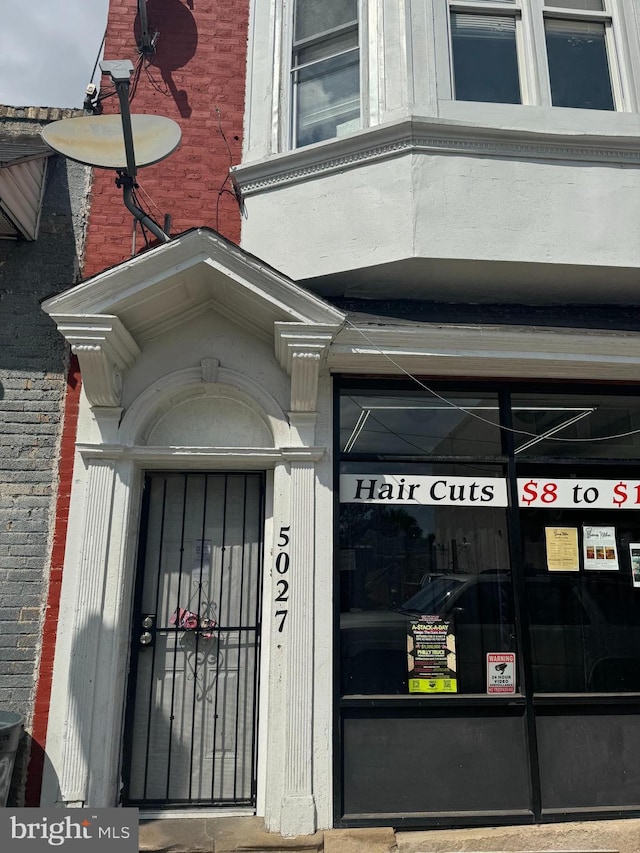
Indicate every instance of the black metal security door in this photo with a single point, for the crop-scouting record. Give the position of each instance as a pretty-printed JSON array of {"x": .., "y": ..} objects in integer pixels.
[{"x": 191, "y": 717}]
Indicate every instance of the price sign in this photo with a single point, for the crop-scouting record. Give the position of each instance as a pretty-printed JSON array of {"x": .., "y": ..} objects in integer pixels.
[{"x": 544, "y": 493}]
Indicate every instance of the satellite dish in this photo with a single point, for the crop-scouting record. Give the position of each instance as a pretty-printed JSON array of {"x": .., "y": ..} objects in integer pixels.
[{"x": 99, "y": 141}]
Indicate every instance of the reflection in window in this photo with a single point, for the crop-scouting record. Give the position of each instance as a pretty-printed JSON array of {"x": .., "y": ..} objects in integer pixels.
[
  {"x": 548, "y": 426},
  {"x": 485, "y": 62},
  {"x": 462, "y": 424},
  {"x": 578, "y": 64},
  {"x": 325, "y": 70},
  {"x": 400, "y": 563}
]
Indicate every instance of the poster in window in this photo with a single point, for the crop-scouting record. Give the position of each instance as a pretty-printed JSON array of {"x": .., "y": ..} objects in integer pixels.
[
  {"x": 600, "y": 549},
  {"x": 634, "y": 554},
  {"x": 563, "y": 554},
  {"x": 431, "y": 656},
  {"x": 501, "y": 672}
]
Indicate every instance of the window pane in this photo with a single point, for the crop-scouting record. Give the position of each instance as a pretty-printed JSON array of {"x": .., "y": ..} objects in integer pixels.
[
  {"x": 588, "y": 5},
  {"x": 461, "y": 424},
  {"x": 415, "y": 564},
  {"x": 584, "y": 626},
  {"x": 485, "y": 62},
  {"x": 328, "y": 99},
  {"x": 313, "y": 17},
  {"x": 578, "y": 65},
  {"x": 576, "y": 426},
  {"x": 327, "y": 47}
]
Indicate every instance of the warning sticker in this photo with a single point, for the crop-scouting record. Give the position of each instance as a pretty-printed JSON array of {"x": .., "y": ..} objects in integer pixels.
[{"x": 501, "y": 672}]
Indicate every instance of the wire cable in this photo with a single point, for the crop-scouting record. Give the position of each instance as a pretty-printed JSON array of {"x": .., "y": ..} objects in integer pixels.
[{"x": 472, "y": 414}]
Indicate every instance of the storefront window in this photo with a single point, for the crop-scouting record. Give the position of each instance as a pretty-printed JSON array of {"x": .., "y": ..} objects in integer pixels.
[
  {"x": 584, "y": 621},
  {"x": 443, "y": 565},
  {"x": 425, "y": 590}
]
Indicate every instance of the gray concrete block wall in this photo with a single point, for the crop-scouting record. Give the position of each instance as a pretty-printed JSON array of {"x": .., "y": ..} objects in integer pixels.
[{"x": 33, "y": 369}]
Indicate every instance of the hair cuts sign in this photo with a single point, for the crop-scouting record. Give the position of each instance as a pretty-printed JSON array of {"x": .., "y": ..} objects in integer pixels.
[
  {"x": 431, "y": 491},
  {"x": 540, "y": 493}
]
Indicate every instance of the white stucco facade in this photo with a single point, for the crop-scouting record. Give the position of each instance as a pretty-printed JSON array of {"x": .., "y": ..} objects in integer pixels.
[{"x": 431, "y": 184}]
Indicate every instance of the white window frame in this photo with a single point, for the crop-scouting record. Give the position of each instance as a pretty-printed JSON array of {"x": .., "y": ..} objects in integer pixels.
[
  {"x": 530, "y": 16},
  {"x": 289, "y": 110}
]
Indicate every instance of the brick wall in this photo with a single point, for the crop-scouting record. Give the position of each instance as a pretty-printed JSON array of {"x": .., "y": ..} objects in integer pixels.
[
  {"x": 33, "y": 385},
  {"x": 199, "y": 65}
]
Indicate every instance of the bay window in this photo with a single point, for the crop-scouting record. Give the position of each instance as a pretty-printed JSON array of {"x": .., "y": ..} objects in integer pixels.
[
  {"x": 325, "y": 70},
  {"x": 546, "y": 52}
]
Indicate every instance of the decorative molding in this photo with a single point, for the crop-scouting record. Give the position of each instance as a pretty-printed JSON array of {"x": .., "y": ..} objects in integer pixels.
[
  {"x": 179, "y": 386},
  {"x": 223, "y": 273},
  {"x": 419, "y": 135},
  {"x": 303, "y": 454},
  {"x": 209, "y": 367},
  {"x": 187, "y": 456},
  {"x": 105, "y": 350},
  {"x": 302, "y": 351}
]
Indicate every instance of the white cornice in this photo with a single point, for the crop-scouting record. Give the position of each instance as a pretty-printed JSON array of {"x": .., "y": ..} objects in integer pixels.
[
  {"x": 432, "y": 135},
  {"x": 105, "y": 350},
  {"x": 487, "y": 351}
]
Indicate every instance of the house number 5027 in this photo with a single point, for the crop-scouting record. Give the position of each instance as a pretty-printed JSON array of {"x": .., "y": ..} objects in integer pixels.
[{"x": 282, "y": 584}]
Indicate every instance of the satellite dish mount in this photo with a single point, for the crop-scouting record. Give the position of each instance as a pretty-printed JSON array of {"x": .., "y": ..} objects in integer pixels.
[{"x": 120, "y": 71}]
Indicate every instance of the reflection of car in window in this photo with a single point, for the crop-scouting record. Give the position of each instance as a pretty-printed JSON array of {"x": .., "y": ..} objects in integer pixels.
[{"x": 584, "y": 632}]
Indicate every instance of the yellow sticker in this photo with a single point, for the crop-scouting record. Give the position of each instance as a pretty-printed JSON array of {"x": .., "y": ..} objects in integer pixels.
[{"x": 433, "y": 685}]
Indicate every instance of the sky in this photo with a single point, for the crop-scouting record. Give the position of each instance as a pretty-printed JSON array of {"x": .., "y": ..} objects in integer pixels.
[{"x": 48, "y": 49}]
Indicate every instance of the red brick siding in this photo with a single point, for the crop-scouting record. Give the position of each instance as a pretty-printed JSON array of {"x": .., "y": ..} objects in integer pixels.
[
  {"x": 43, "y": 688},
  {"x": 204, "y": 49}
]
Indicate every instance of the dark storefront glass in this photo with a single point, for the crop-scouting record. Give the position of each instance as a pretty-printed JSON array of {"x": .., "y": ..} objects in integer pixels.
[
  {"x": 399, "y": 564},
  {"x": 393, "y": 423},
  {"x": 576, "y": 426}
]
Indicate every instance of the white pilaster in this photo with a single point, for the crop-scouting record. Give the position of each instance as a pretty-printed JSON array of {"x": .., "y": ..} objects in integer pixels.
[
  {"x": 303, "y": 356},
  {"x": 86, "y": 618},
  {"x": 298, "y": 807}
]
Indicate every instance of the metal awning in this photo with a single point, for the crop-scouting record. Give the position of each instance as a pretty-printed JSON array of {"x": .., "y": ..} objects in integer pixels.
[{"x": 23, "y": 160}]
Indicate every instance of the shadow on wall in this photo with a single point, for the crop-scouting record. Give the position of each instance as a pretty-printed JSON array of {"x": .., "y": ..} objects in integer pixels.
[
  {"x": 32, "y": 271},
  {"x": 153, "y": 728},
  {"x": 30, "y": 755},
  {"x": 176, "y": 45}
]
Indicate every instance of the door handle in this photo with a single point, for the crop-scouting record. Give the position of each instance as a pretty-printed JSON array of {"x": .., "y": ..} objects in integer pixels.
[{"x": 148, "y": 624}]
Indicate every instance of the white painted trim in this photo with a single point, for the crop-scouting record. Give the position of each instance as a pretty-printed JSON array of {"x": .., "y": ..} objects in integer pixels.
[
  {"x": 424, "y": 135},
  {"x": 487, "y": 351}
]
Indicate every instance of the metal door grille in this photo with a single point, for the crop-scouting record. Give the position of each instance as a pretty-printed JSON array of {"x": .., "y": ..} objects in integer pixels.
[{"x": 191, "y": 733}]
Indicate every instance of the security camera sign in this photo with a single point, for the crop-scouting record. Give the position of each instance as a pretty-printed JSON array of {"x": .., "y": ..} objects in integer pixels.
[{"x": 501, "y": 672}]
